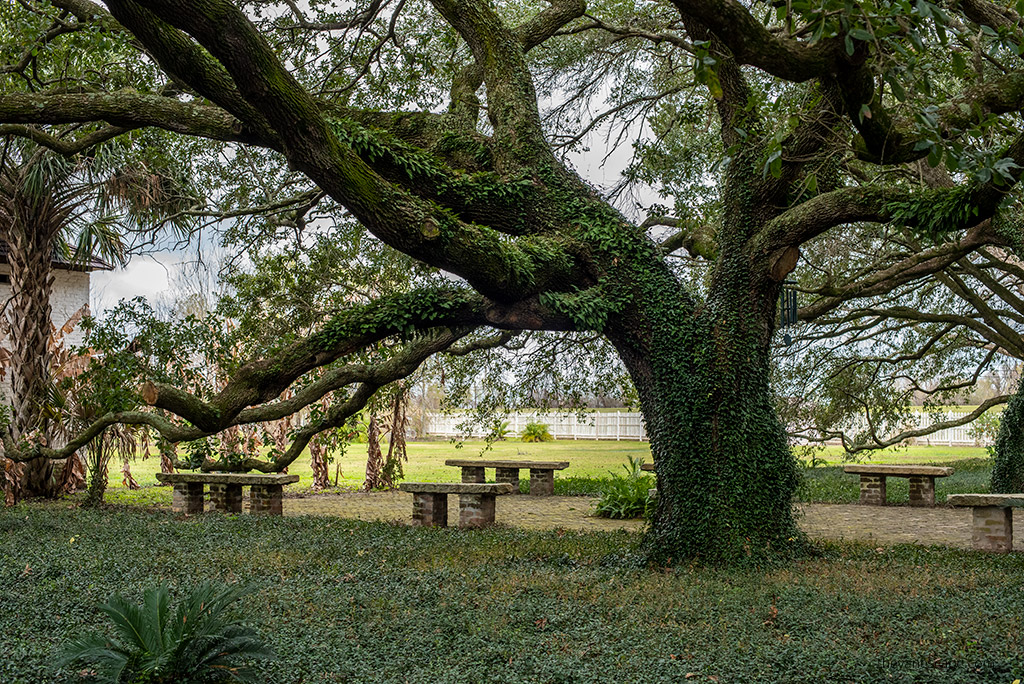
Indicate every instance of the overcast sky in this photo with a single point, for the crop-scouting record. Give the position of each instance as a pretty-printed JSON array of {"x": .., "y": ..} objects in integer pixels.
[{"x": 163, "y": 276}]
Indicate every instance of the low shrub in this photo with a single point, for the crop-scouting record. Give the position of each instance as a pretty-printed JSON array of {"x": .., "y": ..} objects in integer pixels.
[
  {"x": 578, "y": 485},
  {"x": 626, "y": 496},
  {"x": 537, "y": 432}
]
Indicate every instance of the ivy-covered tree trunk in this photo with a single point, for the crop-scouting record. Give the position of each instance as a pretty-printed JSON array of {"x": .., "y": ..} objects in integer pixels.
[
  {"x": 726, "y": 475},
  {"x": 1008, "y": 469}
]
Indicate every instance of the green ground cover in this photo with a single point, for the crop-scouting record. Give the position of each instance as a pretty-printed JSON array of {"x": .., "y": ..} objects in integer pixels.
[
  {"x": 348, "y": 601},
  {"x": 590, "y": 463}
]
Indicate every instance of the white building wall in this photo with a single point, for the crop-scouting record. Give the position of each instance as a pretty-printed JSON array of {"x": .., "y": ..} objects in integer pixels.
[{"x": 70, "y": 293}]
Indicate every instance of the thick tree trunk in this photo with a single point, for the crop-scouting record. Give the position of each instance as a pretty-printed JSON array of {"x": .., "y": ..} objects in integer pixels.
[
  {"x": 30, "y": 253},
  {"x": 1008, "y": 469},
  {"x": 726, "y": 475}
]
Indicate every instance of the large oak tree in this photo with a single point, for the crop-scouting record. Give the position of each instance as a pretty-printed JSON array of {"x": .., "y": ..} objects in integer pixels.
[{"x": 812, "y": 113}]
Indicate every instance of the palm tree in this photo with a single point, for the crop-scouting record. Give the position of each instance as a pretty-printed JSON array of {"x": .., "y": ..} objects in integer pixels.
[{"x": 51, "y": 206}]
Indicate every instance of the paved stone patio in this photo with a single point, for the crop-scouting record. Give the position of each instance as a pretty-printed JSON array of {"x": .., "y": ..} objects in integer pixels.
[{"x": 874, "y": 524}]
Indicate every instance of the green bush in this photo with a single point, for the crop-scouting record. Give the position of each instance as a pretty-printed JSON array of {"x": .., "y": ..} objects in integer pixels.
[
  {"x": 626, "y": 496},
  {"x": 537, "y": 432},
  {"x": 198, "y": 645},
  {"x": 985, "y": 428}
]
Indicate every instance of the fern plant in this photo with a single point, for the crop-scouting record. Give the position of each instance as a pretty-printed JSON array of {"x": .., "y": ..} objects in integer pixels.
[
  {"x": 626, "y": 496},
  {"x": 196, "y": 644}
]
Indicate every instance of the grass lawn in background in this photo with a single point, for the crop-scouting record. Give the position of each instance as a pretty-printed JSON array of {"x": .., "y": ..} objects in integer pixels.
[
  {"x": 589, "y": 460},
  {"x": 590, "y": 463},
  {"x": 347, "y": 601}
]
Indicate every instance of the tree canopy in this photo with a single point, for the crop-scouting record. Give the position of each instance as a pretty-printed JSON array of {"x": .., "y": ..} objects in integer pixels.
[{"x": 429, "y": 123}]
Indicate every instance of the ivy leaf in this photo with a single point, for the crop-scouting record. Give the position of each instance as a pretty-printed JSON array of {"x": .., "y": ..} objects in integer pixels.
[{"x": 959, "y": 64}]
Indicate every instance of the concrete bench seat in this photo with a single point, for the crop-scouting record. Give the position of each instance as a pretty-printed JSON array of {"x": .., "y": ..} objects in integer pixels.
[
  {"x": 542, "y": 473},
  {"x": 922, "y": 481},
  {"x": 476, "y": 502},
  {"x": 266, "y": 491},
  {"x": 992, "y": 528}
]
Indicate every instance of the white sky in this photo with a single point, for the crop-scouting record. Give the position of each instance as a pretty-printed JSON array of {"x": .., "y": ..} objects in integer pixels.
[{"x": 159, "y": 277}]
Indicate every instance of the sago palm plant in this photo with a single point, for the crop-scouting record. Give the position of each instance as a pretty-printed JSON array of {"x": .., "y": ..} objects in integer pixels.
[{"x": 195, "y": 644}]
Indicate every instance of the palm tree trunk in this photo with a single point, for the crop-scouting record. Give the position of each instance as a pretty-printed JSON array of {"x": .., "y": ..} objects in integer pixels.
[{"x": 30, "y": 252}]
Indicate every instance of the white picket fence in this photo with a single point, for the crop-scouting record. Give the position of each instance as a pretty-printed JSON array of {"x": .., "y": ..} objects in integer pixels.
[
  {"x": 955, "y": 436},
  {"x": 620, "y": 425},
  {"x": 614, "y": 425}
]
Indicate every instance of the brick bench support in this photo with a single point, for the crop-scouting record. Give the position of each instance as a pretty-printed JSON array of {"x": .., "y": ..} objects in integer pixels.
[
  {"x": 922, "y": 481},
  {"x": 992, "y": 529},
  {"x": 872, "y": 490},
  {"x": 509, "y": 475},
  {"x": 267, "y": 499},
  {"x": 992, "y": 519},
  {"x": 476, "y": 510},
  {"x": 473, "y": 475},
  {"x": 266, "y": 494},
  {"x": 542, "y": 482},
  {"x": 187, "y": 498},
  {"x": 476, "y": 502},
  {"x": 922, "y": 490},
  {"x": 430, "y": 510},
  {"x": 542, "y": 473}
]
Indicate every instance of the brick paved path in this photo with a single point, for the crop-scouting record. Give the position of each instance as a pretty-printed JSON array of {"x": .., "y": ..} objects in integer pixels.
[{"x": 873, "y": 524}]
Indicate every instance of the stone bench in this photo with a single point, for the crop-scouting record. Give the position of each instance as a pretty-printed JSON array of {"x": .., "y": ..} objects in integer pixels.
[
  {"x": 542, "y": 473},
  {"x": 266, "y": 491},
  {"x": 476, "y": 502},
  {"x": 992, "y": 529},
  {"x": 922, "y": 481}
]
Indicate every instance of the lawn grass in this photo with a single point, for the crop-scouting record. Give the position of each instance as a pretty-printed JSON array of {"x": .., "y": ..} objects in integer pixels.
[
  {"x": 590, "y": 463},
  {"x": 344, "y": 601}
]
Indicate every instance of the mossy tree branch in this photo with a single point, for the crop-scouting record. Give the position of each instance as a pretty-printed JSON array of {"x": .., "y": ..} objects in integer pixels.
[
  {"x": 501, "y": 270},
  {"x": 368, "y": 377}
]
